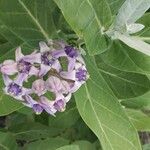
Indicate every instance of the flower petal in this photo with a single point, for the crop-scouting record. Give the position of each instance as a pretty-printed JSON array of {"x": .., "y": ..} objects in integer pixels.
[
  {"x": 76, "y": 86},
  {"x": 68, "y": 75},
  {"x": 33, "y": 58},
  {"x": 47, "y": 105},
  {"x": 21, "y": 78},
  {"x": 37, "y": 108},
  {"x": 39, "y": 87},
  {"x": 9, "y": 67},
  {"x": 44, "y": 69},
  {"x": 58, "y": 53},
  {"x": 56, "y": 66},
  {"x": 53, "y": 84},
  {"x": 71, "y": 63},
  {"x": 19, "y": 54},
  {"x": 6, "y": 79},
  {"x": 28, "y": 101},
  {"x": 43, "y": 47},
  {"x": 34, "y": 71}
]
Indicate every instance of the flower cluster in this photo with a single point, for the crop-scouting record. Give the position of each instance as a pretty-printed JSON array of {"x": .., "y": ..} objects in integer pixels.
[{"x": 58, "y": 70}]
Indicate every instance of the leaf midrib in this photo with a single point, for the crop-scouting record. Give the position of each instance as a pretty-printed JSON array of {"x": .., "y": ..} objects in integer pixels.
[
  {"x": 89, "y": 98},
  {"x": 99, "y": 122},
  {"x": 34, "y": 20},
  {"x": 116, "y": 76}
]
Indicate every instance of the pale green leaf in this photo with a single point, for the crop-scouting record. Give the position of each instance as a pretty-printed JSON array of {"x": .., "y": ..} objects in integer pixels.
[
  {"x": 47, "y": 144},
  {"x": 134, "y": 42},
  {"x": 65, "y": 119},
  {"x": 130, "y": 12},
  {"x": 7, "y": 142},
  {"x": 139, "y": 120},
  {"x": 103, "y": 114},
  {"x": 123, "y": 84},
  {"x": 115, "y": 5},
  {"x": 85, "y": 145},
  {"x": 32, "y": 131},
  {"x": 83, "y": 18},
  {"x": 146, "y": 147},
  {"x": 145, "y": 33},
  {"x": 139, "y": 102},
  {"x": 69, "y": 147},
  {"x": 31, "y": 21},
  {"x": 125, "y": 58}
]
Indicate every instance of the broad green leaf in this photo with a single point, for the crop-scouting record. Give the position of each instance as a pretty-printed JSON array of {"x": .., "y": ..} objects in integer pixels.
[
  {"x": 123, "y": 84},
  {"x": 69, "y": 147},
  {"x": 84, "y": 145},
  {"x": 32, "y": 131},
  {"x": 139, "y": 120},
  {"x": 145, "y": 33},
  {"x": 31, "y": 21},
  {"x": 115, "y": 5},
  {"x": 103, "y": 114},
  {"x": 47, "y": 144},
  {"x": 140, "y": 102},
  {"x": 130, "y": 12},
  {"x": 83, "y": 18},
  {"x": 135, "y": 43},
  {"x": 65, "y": 119},
  {"x": 124, "y": 58},
  {"x": 7, "y": 142},
  {"x": 146, "y": 147},
  {"x": 103, "y": 12}
]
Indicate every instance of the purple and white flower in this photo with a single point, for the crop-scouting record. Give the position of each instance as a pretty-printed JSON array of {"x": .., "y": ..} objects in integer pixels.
[
  {"x": 47, "y": 59},
  {"x": 56, "y": 85},
  {"x": 79, "y": 75},
  {"x": 15, "y": 88},
  {"x": 61, "y": 101},
  {"x": 23, "y": 64},
  {"x": 39, "y": 87},
  {"x": 50, "y": 75}
]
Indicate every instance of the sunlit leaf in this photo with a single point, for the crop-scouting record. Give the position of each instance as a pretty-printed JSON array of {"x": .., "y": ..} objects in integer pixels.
[{"x": 103, "y": 114}]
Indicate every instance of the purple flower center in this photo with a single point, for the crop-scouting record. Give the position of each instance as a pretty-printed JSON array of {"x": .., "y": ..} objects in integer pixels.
[
  {"x": 81, "y": 74},
  {"x": 47, "y": 59},
  {"x": 24, "y": 67},
  {"x": 71, "y": 52},
  {"x": 14, "y": 89},
  {"x": 59, "y": 105},
  {"x": 37, "y": 108}
]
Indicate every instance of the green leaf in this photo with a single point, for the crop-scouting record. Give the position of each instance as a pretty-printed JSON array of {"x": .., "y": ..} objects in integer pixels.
[
  {"x": 83, "y": 18},
  {"x": 7, "y": 142},
  {"x": 47, "y": 144},
  {"x": 69, "y": 147},
  {"x": 66, "y": 119},
  {"x": 130, "y": 12},
  {"x": 31, "y": 21},
  {"x": 32, "y": 131},
  {"x": 103, "y": 11},
  {"x": 103, "y": 114},
  {"x": 84, "y": 145},
  {"x": 115, "y": 5},
  {"x": 139, "y": 120},
  {"x": 135, "y": 43},
  {"x": 127, "y": 59},
  {"x": 145, "y": 33},
  {"x": 123, "y": 84},
  {"x": 140, "y": 102},
  {"x": 146, "y": 147}
]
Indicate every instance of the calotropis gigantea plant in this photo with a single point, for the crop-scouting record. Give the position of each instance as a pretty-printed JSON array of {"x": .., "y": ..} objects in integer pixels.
[
  {"x": 99, "y": 58},
  {"x": 45, "y": 64}
]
